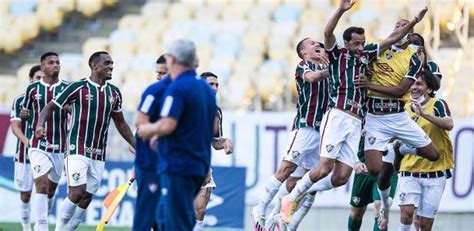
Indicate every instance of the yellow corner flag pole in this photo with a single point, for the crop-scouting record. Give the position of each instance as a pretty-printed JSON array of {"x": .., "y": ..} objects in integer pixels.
[{"x": 111, "y": 202}]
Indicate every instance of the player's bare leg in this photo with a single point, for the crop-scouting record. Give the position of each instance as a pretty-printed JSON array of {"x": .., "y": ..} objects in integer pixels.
[
  {"x": 384, "y": 187},
  {"x": 70, "y": 205},
  {"x": 25, "y": 210},
  {"x": 41, "y": 202},
  {"x": 51, "y": 194},
  {"x": 355, "y": 219},
  {"x": 258, "y": 212},
  {"x": 200, "y": 204},
  {"x": 406, "y": 217}
]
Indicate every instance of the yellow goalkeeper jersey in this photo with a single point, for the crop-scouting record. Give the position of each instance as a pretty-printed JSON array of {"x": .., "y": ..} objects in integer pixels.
[
  {"x": 440, "y": 138},
  {"x": 389, "y": 70}
]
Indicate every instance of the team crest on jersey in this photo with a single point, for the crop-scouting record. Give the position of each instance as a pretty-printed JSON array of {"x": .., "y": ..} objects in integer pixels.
[
  {"x": 76, "y": 176},
  {"x": 388, "y": 56},
  {"x": 37, "y": 168},
  {"x": 37, "y": 96},
  {"x": 72, "y": 147},
  {"x": 89, "y": 97},
  {"x": 372, "y": 140},
  {"x": 356, "y": 200},
  {"x": 295, "y": 154},
  {"x": 329, "y": 147}
]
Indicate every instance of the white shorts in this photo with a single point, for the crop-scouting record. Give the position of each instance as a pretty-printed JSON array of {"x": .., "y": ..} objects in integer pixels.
[
  {"x": 82, "y": 170},
  {"x": 209, "y": 182},
  {"x": 42, "y": 162},
  {"x": 302, "y": 148},
  {"x": 379, "y": 129},
  {"x": 340, "y": 136},
  {"x": 423, "y": 193},
  {"x": 299, "y": 172},
  {"x": 23, "y": 177}
]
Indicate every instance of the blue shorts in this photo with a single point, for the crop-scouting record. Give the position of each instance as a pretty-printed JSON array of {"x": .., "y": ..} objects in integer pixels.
[
  {"x": 176, "y": 206},
  {"x": 148, "y": 194}
]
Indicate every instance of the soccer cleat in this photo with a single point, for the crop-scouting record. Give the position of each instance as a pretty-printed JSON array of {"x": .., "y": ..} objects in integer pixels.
[
  {"x": 383, "y": 219},
  {"x": 289, "y": 207},
  {"x": 271, "y": 222},
  {"x": 280, "y": 224},
  {"x": 258, "y": 220}
]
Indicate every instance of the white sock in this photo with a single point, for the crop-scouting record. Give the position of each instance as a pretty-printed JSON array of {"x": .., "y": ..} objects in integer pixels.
[
  {"x": 41, "y": 208},
  {"x": 64, "y": 214},
  {"x": 199, "y": 225},
  {"x": 25, "y": 213},
  {"x": 50, "y": 203},
  {"x": 77, "y": 218},
  {"x": 302, "y": 211},
  {"x": 281, "y": 193},
  {"x": 301, "y": 187},
  {"x": 404, "y": 227},
  {"x": 405, "y": 149},
  {"x": 385, "y": 197},
  {"x": 322, "y": 185},
  {"x": 270, "y": 190}
]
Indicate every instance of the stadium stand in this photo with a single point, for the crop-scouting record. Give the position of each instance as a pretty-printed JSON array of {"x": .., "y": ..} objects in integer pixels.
[{"x": 249, "y": 44}]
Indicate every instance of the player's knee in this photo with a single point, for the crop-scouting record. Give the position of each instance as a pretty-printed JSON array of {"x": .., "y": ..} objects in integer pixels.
[
  {"x": 85, "y": 201},
  {"x": 76, "y": 195},
  {"x": 339, "y": 180},
  {"x": 25, "y": 197},
  {"x": 406, "y": 214},
  {"x": 285, "y": 170},
  {"x": 357, "y": 214},
  {"x": 41, "y": 187}
]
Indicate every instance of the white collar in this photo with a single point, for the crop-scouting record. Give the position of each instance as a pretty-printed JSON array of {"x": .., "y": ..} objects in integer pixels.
[{"x": 51, "y": 85}]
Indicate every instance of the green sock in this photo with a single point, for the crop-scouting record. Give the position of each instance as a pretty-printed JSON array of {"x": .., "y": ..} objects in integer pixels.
[
  {"x": 353, "y": 225},
  {"x": 376, "y": 227}
]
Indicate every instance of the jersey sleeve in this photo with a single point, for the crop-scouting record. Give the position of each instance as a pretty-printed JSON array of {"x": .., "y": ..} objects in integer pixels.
[
  {"x": 118, "y": 100},
  {"x": 434, "y": 68},
  {"x": 28, "y": 99},
  {"x": 148, "y": 102},
  {"x": 334, "y": 52},
  {"x": 16, "y": 108},
  {"x": 68, "y": 95},
  {"x": 416, "y": 66},
  {"x": 173, "y": 103},
  {"x": 441, "y": 109},
  {"x": 301, "y": 70},
  {"x": 373, "y": 51}
]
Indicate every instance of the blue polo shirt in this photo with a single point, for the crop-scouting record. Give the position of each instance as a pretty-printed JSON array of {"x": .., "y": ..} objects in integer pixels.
[
  {"x": 187, "y": 150},
  {"x": 150, "y": 104}
]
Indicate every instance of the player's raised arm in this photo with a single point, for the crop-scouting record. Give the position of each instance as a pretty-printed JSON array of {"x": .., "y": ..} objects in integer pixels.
[
  {"x": 123, "y": 128},
  {"x": 402, "y": 31},
  {"x": 329, "y": 37}
]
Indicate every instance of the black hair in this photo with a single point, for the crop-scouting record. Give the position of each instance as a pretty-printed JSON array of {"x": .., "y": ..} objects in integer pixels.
[
  {"x": 299, "y": 47},
  {"x": 347, "y": 35},
  {"x": 33, "y": 70},
  {"x": 161, "y": 60},
  {"x": 47, "y": 54},
  {"x": 94, "y": 57},
  {"x": 420, "y": 39},
  {"x": 208, "y": 74},
  {"x": 431, "y": 81}
]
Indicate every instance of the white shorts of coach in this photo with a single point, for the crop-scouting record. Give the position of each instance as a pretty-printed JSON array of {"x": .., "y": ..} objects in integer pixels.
[
  {"x": 424, "y": 193},
  {"x": 379, "y": 129},
  {"x": 340, "y": 136},
  {"x": 42, "y": 162},
  {"x": 303, "y": 149},
  {"x": 82, "y": 170},
  {"x": 23, "y": 177},
  {"x": 209, "y": 182}
]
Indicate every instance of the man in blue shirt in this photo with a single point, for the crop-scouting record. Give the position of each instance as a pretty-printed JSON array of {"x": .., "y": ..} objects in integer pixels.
[
  {"x": 185, "y": 132},
  {"x": 145, "y": 160}
]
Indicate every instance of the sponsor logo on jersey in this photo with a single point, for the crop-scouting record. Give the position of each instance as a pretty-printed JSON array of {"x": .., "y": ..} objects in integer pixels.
[
  {"x": 72, "y": 147},
  {"x": 385, "y": 67},
  {"x": 329, "y": 147},
  {"x": 353, "y": 103},
  {"x": 50, "y": 146},
  {"x": 89, "y": 97},
  {"x": 93, "y": 150}
]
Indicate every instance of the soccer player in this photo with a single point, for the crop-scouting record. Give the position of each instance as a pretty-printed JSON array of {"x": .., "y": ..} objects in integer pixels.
[
  {"x": 161, "y": 69},
  {"x": 23, "y": 175},
  {"x": 148, "y": 185},
  {"x": 218, "y": 143},
  {"x": 422, "y": 182},
  {"x": 341, "y": 124},
  {"x": 312, "y": 85},
  {"x": 94, "y": 101},
  {"x": 185, "y": 132},
  {"x": 46, "y": 151},
  {"x": 365, "y": 191},
  {"x": 388, "y": 90}
]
